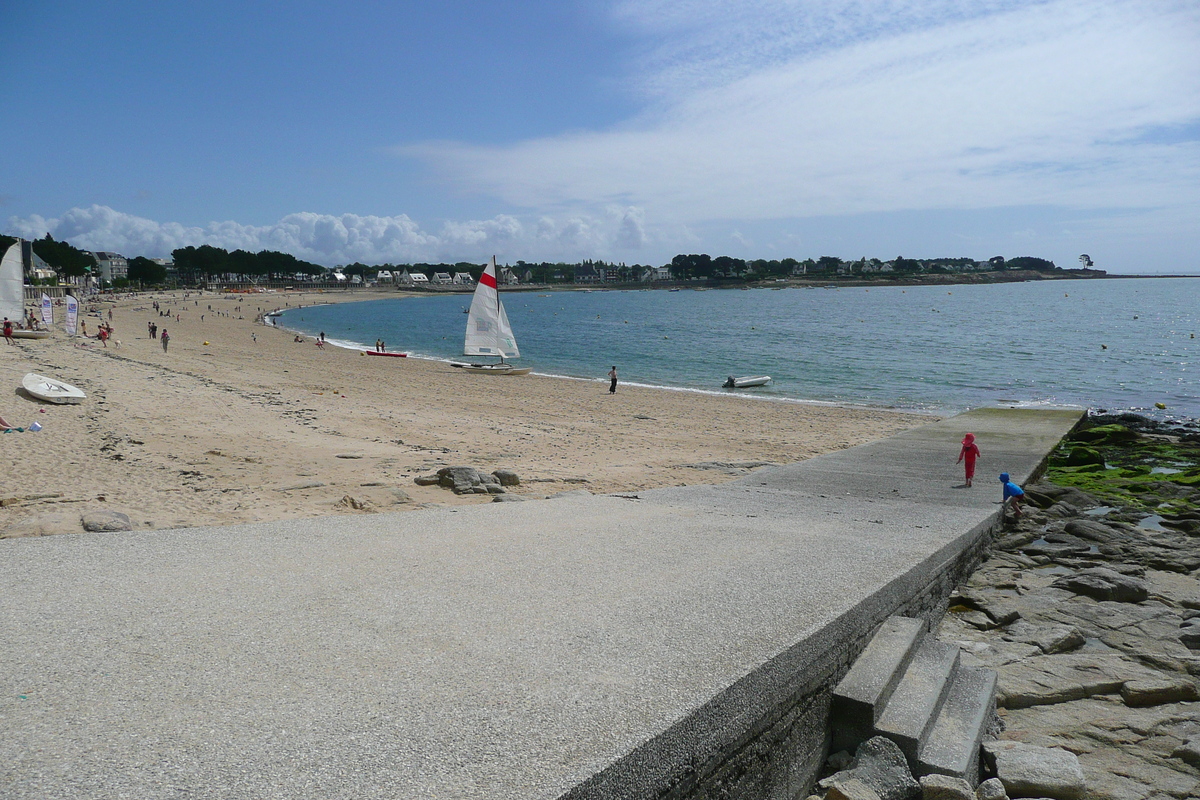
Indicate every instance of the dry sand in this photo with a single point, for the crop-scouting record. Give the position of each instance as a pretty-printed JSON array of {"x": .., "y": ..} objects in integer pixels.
[{"x": 216, "y": 430}]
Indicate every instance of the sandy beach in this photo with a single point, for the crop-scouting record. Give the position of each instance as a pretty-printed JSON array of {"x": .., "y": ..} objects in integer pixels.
[{"x": 237, "y": 422}]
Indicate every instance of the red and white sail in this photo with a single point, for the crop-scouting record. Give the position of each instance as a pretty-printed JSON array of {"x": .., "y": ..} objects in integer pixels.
[{"x": 488, "y": 331}]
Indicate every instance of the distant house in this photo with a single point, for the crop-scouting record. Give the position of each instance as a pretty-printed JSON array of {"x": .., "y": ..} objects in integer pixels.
[
  {"x": 463, "y": 278},
  {"x": 413, "y": 279},
  {"x": 441, "y": 278},
  {"x": 507, "y": 277},
  {"x": 113, "y": 266},
  {"x": 384, "y": 276},
  {"x": 587, "y": 273},
  {"x": 655, "y": 274}
]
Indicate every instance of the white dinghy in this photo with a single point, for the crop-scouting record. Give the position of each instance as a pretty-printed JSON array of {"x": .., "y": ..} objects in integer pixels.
[
  {"x": 50, "y": 390},
  {"x": 746, "y": 382}
]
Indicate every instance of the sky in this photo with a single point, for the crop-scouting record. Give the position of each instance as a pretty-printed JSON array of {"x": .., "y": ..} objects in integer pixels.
[{"x": 622, "y": 130}]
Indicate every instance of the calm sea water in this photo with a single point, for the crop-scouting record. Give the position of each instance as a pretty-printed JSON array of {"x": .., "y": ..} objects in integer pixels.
[{"x": 1113, "y": 344}]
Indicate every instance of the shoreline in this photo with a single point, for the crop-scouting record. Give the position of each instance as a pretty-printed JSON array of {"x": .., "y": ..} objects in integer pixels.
[{"x": 238, "y": 423}]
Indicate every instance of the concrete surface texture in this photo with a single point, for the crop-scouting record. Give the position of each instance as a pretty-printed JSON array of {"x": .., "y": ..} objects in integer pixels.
[{"x": 512, "y": 650}]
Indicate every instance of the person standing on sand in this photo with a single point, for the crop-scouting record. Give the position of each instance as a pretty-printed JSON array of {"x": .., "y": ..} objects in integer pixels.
[
  {"x": 612, "y": 376},
  {"x": 166, "y": 337},
  {"x": 8, "y": 330},
  {"x": 967, "y": 456}
]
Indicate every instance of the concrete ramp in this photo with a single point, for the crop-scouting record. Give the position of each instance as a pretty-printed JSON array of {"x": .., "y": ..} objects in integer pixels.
[{"x": 586, "y": 647}]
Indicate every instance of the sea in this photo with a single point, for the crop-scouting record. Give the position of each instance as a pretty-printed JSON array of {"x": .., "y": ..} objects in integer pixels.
[{"x": 1110, "y": 344}]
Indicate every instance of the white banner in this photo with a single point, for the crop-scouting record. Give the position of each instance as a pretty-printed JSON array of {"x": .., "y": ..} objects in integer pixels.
[
  {"x": 72, "y": 314},
  {"x": 47, "y": 310}
]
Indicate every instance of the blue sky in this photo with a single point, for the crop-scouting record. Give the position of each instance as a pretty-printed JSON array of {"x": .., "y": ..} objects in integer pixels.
[{"x": 398, "y": 132}]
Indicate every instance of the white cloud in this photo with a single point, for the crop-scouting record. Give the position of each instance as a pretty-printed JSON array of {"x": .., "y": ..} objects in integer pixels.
[
  {"x": 969, "y": 106},
  {"x": 327, "y": 239}
]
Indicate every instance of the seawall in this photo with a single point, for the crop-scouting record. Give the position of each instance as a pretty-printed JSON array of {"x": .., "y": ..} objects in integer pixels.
[{"x": 676, "y": 644}]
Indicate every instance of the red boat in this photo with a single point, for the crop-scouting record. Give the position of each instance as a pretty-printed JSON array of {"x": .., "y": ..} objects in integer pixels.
[{"x": 393, "y": 355}]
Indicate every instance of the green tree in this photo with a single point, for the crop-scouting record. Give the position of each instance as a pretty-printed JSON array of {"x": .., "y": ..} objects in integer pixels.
[
  {"x": 63, "y": 257},
  {"x": 146, "y": 272}
]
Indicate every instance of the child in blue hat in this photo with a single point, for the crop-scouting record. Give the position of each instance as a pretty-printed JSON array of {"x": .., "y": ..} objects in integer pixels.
[{"x": 1013, "y": 492}]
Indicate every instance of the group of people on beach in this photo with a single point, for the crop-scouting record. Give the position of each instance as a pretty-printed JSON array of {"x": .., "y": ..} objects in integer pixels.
[{"x": 1013, "y": 494}]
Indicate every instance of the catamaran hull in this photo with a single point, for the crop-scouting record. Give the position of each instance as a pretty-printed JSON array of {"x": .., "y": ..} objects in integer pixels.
[{"x": 50, "y": 390}]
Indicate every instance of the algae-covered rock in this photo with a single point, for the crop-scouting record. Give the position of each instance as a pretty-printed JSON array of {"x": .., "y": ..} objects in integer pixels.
[
  {"x": 1106, "y": 434},
  {"x": 1084, "y": 456}
]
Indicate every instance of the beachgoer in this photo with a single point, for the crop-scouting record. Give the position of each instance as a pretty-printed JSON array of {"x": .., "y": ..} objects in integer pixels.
[
  {"x": 150, "y": 329},
  {"x": 967, "y": 455},
  {"x": 612, "y": 376},
  {"x": 103, "y": 336},
  {"x": 322, "y": 336},
  {"x": 8, "y": 331},
  {"x": 378, "y": 346},
  {"x": 110, "y": 315},
  {"x": 166, "y": 337},
  {"x": 320, "y": 344},
  {"x": 1011, "y": 492}
]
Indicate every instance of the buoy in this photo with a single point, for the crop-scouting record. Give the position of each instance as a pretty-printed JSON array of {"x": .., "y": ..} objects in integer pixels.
[
  {"x": 206, "y": 344},
  {"x": 362, "y": 353},
  {"x": 1135, "y": 316},
  {"x": 1160, "y": 406}
]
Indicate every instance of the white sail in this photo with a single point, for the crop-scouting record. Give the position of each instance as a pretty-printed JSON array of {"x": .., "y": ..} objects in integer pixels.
[
  {"x": 488, "y": 331},
  {"x": 12, "y": 285}
]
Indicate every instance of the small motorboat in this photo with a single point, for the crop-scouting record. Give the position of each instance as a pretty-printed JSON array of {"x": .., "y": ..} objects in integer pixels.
[
  {"x": 50, "y": 390},
  {"x": 746, "y": 382}
]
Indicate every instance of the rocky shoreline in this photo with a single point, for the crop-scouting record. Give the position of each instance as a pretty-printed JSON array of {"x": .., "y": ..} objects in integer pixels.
[{"x": 1088, "y": 609}]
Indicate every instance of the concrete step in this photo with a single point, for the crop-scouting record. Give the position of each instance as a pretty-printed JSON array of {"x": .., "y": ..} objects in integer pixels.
[
  {"x": 861, "y": 695},
  {"x": 913, "y": 707},
  {"x": 952, "y": 747}
]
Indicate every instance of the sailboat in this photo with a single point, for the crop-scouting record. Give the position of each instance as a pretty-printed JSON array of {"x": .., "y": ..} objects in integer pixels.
[
  {"x": 488, "y": 331},
  {"x": 12, "y": 285}
]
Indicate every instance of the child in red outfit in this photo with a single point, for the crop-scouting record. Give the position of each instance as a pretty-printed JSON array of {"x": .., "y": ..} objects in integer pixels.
[{"x": 968, "y": 454}]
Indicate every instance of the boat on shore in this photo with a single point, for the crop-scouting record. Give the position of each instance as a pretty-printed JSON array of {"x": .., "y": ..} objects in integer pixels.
[
  {"x": 746, "y": 382},
  {"x": 28, "y": 334},
  {"x": 488, "y": 332},
  {"x": 50, "y": 390},
  {"x": 390, "y": 355}
]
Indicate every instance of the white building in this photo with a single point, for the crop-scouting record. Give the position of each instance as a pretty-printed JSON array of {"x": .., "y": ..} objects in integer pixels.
[
  {"x": 442, "y": 277},
  {"x": 113, "y": 266},
  {"x": 384, "y": 276},
  {"x": 463, "y": 278},
  {"x": 413, "y": 279}
]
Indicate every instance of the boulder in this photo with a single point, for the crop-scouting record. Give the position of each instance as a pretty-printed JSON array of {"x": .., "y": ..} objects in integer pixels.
[
  {"x": 944, "y": 787},
  {"x": 427, "y": 480},
  {"x": 1102, "y": 583},
  {"x": 1054, "y": 639},
  {"x": 1189, "y": 751},
  {"x": 400, "y": 496},
  {"x": 1084, "y": 456},
  {"x": 508, "y": 498},
  {"x": 880, "y": 765},
  {"x": 1189, "y": 633},
  {"x": 507, "y": 477},
  {"x": 1030, "y": 771},
  {"x": 1093, "y": 531},
  {"x": 1158, "y": 691},
  {"x": 991, "y": 789},
  {"x": 1106, "y": 434},
  {"x": 851, "y": 789},
  {"x": 106, "y": 521}
]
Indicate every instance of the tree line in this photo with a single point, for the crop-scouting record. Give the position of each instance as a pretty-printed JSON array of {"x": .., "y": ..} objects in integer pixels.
[{"x": 206, "y": 262}]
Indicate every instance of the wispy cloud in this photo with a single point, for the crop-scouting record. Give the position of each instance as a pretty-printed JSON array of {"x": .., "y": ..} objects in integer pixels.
[{"x": 967, "y": 106}]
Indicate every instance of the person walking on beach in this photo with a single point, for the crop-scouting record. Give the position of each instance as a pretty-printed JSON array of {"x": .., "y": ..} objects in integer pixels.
[
  {"x": 8, "y": 331},
  {"x": 1011, "y": 492},
  {"x": 612, "y": 376},
  {"x": 967, "y": 455},
  {"x": 166, "y": 337}
]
